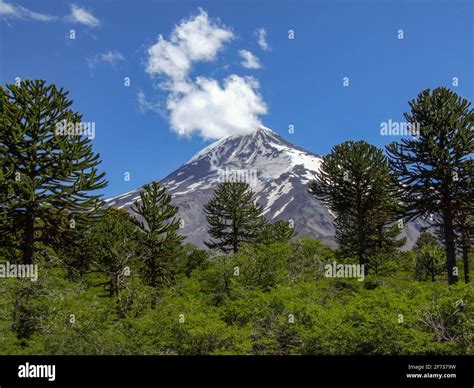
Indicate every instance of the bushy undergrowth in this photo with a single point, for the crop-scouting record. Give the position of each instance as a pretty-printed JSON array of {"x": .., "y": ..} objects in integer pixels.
[{"x": 266, "y": 299}]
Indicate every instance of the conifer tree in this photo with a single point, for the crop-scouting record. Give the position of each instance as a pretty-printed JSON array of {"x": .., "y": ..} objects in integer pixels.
[
  {"x": 6, "y": 171},
  {"x": 112, "y": 243},
  {"x": 355, "y": 183},
  {"x": 435, "y": 168},
  {"x": 45, "y": 171},
  {"x": 159, "y": 241},
  {"x": 429, "y": 257},
  {"x": 233, "y": 217},
  {"x": 9, "y": 236},
  {"x": 279, "y": 231}
]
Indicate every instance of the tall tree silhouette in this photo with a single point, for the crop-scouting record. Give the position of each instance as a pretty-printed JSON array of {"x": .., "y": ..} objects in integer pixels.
[
  {"x": 355, "y": 183},
  {"x": 435, "y": 169},
  {"x": 46, "y": 171}
]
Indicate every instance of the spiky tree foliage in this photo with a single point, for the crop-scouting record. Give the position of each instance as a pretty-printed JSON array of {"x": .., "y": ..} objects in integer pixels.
[
  {"x": 159, "y": 240},
  {"x": 233, "y": 217},
  {"x": 6, "y": 171},
  {"x": 355, "y": 183},
  {"x": 423, "y": 239},
  {"x": 429, "y": 257},
  {"x": 280, "y": 231},
  {"x": 112, "y": 244},
  {"x": 45, "y": 171},
  {"x": 109, "y": 248},
  {"x": 68, "y": 245},
  {"x": 10, "y": 239},
  {"x": 435, "y": 168}
]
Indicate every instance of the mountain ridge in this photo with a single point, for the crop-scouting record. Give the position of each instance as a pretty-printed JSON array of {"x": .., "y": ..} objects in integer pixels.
[{"x": 277, "y": 170}]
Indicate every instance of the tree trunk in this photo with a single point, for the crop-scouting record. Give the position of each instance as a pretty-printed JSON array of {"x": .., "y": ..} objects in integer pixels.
[
  {"x": 465, "y": 259},
  {"x": 235, "y": 247},
  {"x": 235, "y": 237},
  {"x": 450, "y": 247},
  {"x": 362, "y": 246},
  {"x": 29, "y": 237}
]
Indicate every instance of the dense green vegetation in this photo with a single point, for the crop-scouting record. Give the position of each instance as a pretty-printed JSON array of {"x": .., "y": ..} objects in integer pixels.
[
  {"x": 110, "y": 282},
  {"x": 266, "y": 299}
]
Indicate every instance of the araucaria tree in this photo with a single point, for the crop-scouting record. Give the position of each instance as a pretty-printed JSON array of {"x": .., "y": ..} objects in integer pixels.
[
  {"x": 355, "y": 183},
  {"x": 233, "y": 217},
  {"x": 429, "y": 257},
  {"x": 435, "y": 168},
  {"x": 111, "y": 242},
  {"x": 46, "y": 171},
  {"x": 158, "y": 238},
  {"x": 279, "y": 231}
]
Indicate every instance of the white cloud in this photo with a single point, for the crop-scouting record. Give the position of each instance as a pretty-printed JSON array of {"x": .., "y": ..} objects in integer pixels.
[
  {"x": 250, "y": 61},
  {"x": 112, "y": 58},
  {"x": 212, "y": 111},
  {"x": 77, "y": 15},
  {"x": 7, "y": 9},
  {"x": 193, "y": 40},
  {"x": 169, "y": 59},
  {"x": 18, "y": 12},
  {"x": 202, "y": 106},
  {"x": 261, "y": 35},
  {"x": 83, "y": 16}
]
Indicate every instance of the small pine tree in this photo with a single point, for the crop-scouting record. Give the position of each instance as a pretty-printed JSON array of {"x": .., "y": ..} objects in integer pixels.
[
  {"x": 280, "y": 231},
  {"x": 233, "y": 217},
  {"x": 112, "y": 244},
  {"x": 26, "y": 317},
  {"x": 47, "y": 171},
  {"x": 434, "y": 169},
  {"x": 429, "y": 257},
  {"x": 159, "y": 241}
]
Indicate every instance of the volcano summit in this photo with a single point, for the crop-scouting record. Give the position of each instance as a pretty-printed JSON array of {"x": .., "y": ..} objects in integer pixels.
[{"x": 277, "y": 170}]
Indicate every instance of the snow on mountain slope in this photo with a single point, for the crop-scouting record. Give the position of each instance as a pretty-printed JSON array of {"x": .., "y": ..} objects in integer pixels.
[{"x": 276, "y": 170}]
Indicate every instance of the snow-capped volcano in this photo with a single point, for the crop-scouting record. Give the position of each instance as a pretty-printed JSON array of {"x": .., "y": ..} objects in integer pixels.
[{"x": 276, "y": 170}]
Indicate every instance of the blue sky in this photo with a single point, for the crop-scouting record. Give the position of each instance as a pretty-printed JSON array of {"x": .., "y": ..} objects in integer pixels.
[{"x": 299, "y": 81}]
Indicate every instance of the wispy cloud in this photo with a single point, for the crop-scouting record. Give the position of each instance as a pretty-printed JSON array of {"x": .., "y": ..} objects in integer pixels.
[
  {"x": 146, "y": 105},
  {"x": 112, "y": 58},
  {"x": 83, "y": 16},
  {"x": 261, "y": 35},
  {"x": 13, "y": 11},
  {"x": 77, "y": 15},
  {"x": 203, "y": 106},
  {"x": 250, "y": 61}
]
